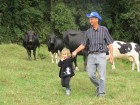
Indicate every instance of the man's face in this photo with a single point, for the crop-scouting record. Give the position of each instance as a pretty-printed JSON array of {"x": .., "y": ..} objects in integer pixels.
[{"x": 93, "y": 20}]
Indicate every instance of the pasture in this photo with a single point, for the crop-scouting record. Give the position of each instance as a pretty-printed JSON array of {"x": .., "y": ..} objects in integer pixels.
[{"x": 24, "y": 82}]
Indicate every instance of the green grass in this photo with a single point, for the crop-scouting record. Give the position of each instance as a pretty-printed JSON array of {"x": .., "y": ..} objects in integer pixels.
[{"x": 24, "y": 82}]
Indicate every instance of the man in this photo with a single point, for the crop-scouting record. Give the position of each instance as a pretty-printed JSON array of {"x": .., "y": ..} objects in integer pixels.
[{"x": 99, "y": 42}]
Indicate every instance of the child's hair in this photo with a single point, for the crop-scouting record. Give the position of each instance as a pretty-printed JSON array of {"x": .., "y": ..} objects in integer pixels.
[{"x": 66, "y": 51}]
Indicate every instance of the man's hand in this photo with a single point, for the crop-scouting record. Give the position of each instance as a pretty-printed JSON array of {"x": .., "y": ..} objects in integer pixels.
[
  {"x": 80, "y": 48},
  {"x": 110, "y": 47},
  {"x": 74, "y": 53},
  {"x": 111, "y": 59}
]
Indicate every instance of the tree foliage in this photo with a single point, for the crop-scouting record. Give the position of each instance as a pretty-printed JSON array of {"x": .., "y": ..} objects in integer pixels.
[
  {"x": 126, "y": 19},
  {"x": 62, "y": 18},
  {"x": 18, "y": 16},
  {"x": 55, "y": 16}
]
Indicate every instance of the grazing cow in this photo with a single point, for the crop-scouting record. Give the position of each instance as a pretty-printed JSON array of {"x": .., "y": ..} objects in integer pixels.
[
  {"x": 31, "y": 42},
  {"x": 127, "y": 50},
  {"x": 55, "y": 46},
  {"x": 73, "y": 39}
]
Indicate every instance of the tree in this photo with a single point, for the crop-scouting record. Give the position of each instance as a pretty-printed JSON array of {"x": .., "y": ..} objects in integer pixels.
[
  {"x": 46, "y": 16},
  {"x": 62, "y": 18},
  {"x": 131, "y": 20},
  {"x": 125, "y": 17},
  {"x": 18, "y": 16}
]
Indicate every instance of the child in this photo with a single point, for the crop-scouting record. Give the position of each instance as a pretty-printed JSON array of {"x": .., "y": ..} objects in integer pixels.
[{"x": 66, "y": 70}]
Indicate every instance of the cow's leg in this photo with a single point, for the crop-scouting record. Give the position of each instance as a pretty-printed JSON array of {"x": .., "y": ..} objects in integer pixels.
[
  {"x": 135, "y": 60},
  {"x": 59, "y": 55},
  {"x": 113, "y": 66},
  {"x": 29, "y": 54},
  {"x": 52, "y": 57},
  {"x": 56, "y": 57},
  {"x": 85, "y": 60},
  {"x": 133, "y": 65},
  {"x": 75, "y": 62},
  {"x": 138, "y": 64},
  {"x": 34, "y": 53}
]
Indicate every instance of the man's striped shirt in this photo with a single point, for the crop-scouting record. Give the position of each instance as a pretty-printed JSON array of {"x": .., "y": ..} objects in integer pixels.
[{"x": 97, "y": 39}]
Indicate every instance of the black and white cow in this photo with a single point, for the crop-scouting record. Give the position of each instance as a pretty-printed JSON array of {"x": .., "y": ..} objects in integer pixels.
[
  {"x": 72, "y": 39},
  {"x": 127, "y": 50},
  {"x": 31, "y": 42},
  {"x": 55, "y": 46}
]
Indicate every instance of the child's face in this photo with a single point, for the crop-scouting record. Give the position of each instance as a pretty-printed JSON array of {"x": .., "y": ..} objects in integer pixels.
[{"x": 65, "y": 55}]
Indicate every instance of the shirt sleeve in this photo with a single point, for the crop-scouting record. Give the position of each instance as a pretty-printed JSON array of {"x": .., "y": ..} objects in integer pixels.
[
  {"x": 108, "y": 38},
  {"x": 71, "y": 59},
  {"x": 85, "y": 39},
  {"x": 60, "y": 63}
]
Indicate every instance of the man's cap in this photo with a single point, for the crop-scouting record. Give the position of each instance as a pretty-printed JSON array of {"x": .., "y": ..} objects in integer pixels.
[{"x": 94, "y": 14}]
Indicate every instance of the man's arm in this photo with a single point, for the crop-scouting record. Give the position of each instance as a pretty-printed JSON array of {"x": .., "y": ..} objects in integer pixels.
[
  {"x": 110, "y": 47},
  {"x": 81, "y": 47}
]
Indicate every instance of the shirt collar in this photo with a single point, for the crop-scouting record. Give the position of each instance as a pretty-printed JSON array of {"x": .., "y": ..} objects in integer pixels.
[{"x": 98, "y": 29}]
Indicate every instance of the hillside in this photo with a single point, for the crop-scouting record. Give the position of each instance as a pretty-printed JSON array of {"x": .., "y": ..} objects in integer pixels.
[{"x": 24, "y": 82}]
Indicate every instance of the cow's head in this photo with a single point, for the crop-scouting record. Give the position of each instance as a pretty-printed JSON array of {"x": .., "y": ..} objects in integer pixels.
[
  {"x": 51, "y": 41},
  {"x": 30, "y": 36}
]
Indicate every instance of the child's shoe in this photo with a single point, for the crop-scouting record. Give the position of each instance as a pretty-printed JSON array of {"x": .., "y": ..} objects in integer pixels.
[{"x": 67, "y": 92}]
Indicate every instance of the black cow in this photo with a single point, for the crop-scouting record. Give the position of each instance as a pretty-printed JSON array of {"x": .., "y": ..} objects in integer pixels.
[
  {"x": 72, "y": 39},
  {"x": 31, "y": 42},
  {"x": 55, "y": 46}
]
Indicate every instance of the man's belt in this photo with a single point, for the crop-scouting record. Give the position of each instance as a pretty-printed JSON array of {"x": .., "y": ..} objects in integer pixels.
[{"x": 96, "y": 52}]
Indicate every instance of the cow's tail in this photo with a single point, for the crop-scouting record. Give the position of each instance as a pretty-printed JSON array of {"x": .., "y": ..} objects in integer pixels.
[
  {"x": 139, "y": 55},
  {"x": 38, "y": 49},
  {"x": 139, "y": 51}
]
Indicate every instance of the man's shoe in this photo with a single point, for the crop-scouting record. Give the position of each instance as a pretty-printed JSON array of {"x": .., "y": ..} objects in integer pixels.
[{"x": 101, "y": 95}]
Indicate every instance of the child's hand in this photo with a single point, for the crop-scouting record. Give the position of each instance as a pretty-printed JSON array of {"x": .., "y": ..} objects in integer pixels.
[{"x": 62, "y": 58}]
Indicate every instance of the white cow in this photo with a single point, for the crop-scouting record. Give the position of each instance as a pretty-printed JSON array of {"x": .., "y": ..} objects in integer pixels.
[
  {"x": 55, "y": 46},
  {"x": 126, "y": 50}
]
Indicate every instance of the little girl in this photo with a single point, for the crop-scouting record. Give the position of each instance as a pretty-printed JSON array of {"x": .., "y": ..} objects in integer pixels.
[{"x": 66, "y": 70}]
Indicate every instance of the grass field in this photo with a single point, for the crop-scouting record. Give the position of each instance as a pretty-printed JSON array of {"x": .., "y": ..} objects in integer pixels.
[{"x": 24, "y": 82}]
